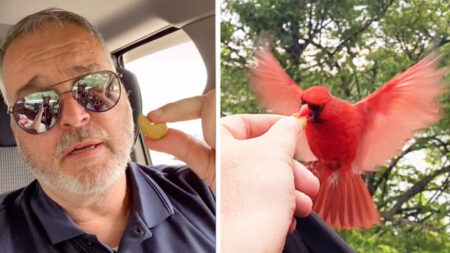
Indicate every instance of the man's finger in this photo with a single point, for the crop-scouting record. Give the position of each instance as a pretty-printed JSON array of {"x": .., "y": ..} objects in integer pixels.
[
  {"x": 305, "y": 181},
  {"x": 196, "y": 154},
  {"x": 185, "y": 109},
  {"x": 208, "y": 116},
  {"x": 247, "y": 126},
  {"x": 303, "y": 204},
  {"x": 283, "y": 135},
  {"x": 293, "y": 225},
  {"x": 181, "y": 110}
]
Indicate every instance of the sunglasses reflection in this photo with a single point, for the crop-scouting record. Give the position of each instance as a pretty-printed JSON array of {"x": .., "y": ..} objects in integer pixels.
[
  {"x": 96, "y": 98},
  {"x": 38, "y": 112},
  {"x": 37, "y": 117}
]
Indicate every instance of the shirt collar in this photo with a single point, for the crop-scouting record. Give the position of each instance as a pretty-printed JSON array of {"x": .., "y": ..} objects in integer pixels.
[
  {"x": 145, "y": 195},
  {"x": 58, "y": 225}
]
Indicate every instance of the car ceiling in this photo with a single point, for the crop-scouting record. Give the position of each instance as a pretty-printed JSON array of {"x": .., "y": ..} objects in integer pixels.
[
  {"x": 117, "y": 20},
  {"x": 123, "y": 22}
]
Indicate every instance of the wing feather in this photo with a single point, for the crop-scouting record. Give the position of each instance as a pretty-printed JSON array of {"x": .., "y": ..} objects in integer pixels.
[
  {"x": 272, "y": 86},
  {"x": 393, "y": 113}
]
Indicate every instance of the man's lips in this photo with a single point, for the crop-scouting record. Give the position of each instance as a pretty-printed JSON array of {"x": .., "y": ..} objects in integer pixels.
[{"x": 81, "y": 147}]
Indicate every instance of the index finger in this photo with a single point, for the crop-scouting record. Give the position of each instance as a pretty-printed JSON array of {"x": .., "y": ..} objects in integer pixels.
[
  {"x": 246, "y": 126},
  {"x": 185, "y": 109}
]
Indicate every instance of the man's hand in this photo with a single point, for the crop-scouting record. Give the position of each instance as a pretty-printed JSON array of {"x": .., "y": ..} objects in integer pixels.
[
  {"x": 262, "y": 186},
  {"x": 198, "y": 155},
  {"x": 38, "y": 119}
]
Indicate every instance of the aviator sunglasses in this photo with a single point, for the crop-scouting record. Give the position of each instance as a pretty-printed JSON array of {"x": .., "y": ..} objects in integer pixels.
[{"x": 39, "y": 111}]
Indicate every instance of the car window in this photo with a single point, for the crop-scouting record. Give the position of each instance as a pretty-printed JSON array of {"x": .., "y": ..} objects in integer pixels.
[{"x": 168, "y": 69}]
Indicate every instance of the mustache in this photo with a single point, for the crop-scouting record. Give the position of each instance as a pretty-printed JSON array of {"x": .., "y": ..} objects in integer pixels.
[{"x": 80, "y": 134}]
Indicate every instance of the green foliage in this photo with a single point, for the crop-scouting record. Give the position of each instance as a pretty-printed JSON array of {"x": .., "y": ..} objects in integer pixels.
[
  {"x": 396, "y": 239},
  {"x": 353, "y": 47}
]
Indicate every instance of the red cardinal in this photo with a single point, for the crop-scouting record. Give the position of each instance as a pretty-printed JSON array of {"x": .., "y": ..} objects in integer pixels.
[{"x": 350, "y": 139}]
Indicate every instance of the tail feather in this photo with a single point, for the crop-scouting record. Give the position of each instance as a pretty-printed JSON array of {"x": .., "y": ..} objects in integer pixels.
[
  {"x": 334, "y": 209},
  {"x": 342, "y": 217},
  {"x": 372, "y": 211},
  {"x": 344, "y": 201},
  {"x": 328, "y": 205},
  {"x": 360, "y": 202},
  {"x": 351, "y": 217},
  {"x": 319, "y": 202}
]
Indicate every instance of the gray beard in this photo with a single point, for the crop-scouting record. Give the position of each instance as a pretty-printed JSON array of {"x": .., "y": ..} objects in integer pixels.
[{"x": 92, "y": 177}]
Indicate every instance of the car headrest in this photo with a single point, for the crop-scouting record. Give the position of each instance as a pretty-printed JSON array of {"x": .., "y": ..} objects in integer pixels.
[
  {"x": 130, "y": 83},
  {"x": 6, "y": 136}
]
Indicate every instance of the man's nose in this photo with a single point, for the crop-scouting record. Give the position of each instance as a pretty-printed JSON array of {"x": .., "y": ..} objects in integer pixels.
[{"x": 73, "y": 114}]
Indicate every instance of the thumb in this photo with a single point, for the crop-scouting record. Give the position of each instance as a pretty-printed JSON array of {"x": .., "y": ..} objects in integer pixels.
[
  {"x": 196, "y": 154},
  {"x": 284, "y": 134}
]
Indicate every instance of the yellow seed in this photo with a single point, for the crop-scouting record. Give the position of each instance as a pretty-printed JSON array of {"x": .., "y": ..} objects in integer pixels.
[
  {"x": 150, "y": 129},
  {"x": 302, "y": 121}
]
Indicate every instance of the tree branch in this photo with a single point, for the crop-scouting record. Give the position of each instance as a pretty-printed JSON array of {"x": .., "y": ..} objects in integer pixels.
[
  {"x": 363, "y": 28},
  {"x": 418, "y": 187},
  {"x": 385, "y": 176},
  {"x": 406, "y": 221},
  {"x": 443, "y": 42}
]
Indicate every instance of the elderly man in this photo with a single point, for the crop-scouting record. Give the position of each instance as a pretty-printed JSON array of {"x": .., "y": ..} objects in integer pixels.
[{"x": 88, "y": 197}]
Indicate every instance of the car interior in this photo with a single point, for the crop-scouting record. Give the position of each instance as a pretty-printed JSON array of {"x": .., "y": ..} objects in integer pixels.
[{"x": 133, "y": 30}]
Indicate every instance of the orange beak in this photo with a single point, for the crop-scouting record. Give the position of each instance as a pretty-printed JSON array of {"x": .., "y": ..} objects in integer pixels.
[
  {"x": 303, "y": 115},
  {"x": 305, "y": 111}
]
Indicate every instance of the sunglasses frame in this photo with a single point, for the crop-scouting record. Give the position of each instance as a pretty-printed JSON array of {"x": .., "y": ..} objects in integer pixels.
[{"x": 74, "y": 80}]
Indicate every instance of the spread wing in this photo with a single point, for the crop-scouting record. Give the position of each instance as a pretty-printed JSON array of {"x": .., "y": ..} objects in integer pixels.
[
  {"x": 392, "y": 114},
  {"x": 276, "y": 91},
  {"x": 272, "y": 86}
]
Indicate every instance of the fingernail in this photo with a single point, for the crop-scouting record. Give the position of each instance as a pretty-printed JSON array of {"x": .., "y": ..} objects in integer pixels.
[{"x": 156, "y": 112}]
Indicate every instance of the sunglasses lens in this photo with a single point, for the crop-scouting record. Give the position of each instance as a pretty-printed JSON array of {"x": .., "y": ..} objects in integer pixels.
[
  {"x": 37, "y": 112},
  {"x": 98, "y": 92}
]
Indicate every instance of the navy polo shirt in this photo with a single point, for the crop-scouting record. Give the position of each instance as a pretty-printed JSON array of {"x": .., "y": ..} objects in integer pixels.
[{"x": 172, "y": 210}]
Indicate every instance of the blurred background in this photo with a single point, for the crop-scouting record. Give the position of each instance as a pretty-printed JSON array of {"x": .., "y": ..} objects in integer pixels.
[{"x": 353, "y": 47}]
